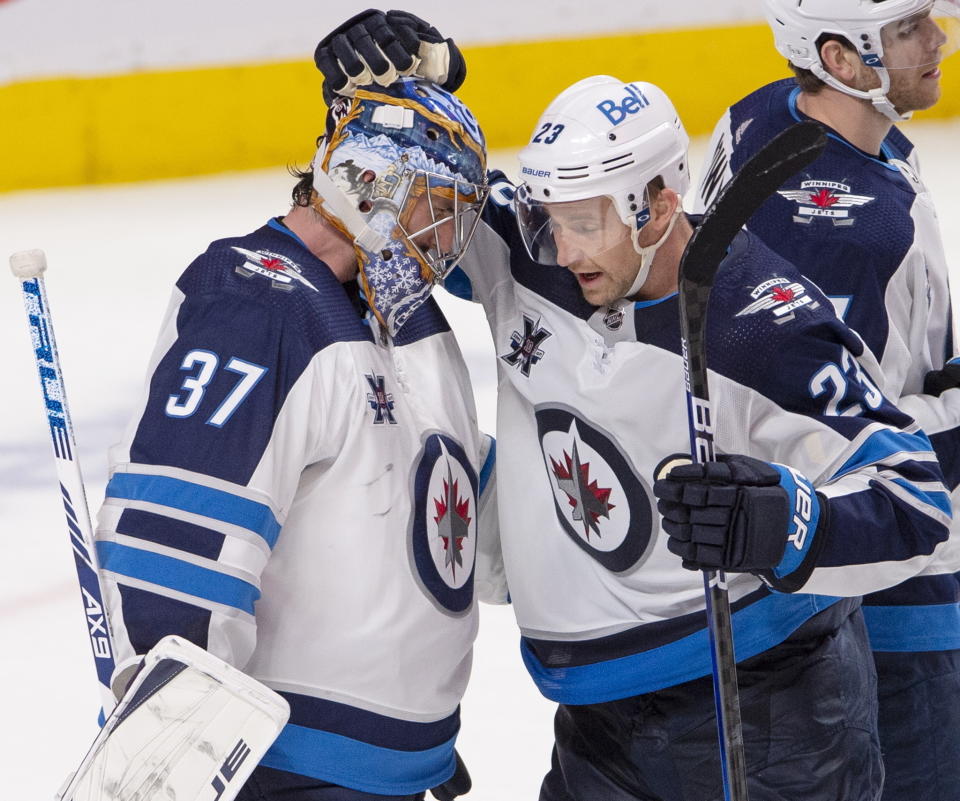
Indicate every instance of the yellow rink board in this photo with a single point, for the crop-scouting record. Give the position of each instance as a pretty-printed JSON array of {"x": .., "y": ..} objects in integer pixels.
[{"x": 172, "y": 123}]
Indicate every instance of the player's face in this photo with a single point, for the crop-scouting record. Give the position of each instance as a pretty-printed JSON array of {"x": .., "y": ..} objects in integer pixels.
[
  {"x": 433, "y": 215},
  {"x": 594, "y": 244},
  {"x": 912, "y": 53}
]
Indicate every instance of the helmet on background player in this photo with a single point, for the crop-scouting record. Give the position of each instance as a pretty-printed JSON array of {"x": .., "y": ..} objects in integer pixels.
[
  {"x": 601, "y": 137},
  {"x": 402, "y": 173},
  {"x": 798, "y": 26}
]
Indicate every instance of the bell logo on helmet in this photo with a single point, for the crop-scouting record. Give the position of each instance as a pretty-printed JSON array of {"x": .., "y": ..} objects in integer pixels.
[{"x": 617, "y": 112}]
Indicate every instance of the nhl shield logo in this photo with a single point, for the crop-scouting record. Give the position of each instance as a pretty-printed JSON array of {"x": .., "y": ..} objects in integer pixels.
[
  {"x": 443, "y": 532},
  {"x": 613, "y": 319},
  {"x": 600, "y": 501}
]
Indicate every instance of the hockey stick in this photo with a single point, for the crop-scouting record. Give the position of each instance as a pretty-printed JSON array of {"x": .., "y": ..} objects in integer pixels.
[
  {"x": 28, "y": 266},
  {"x": 759, "y": 178}
]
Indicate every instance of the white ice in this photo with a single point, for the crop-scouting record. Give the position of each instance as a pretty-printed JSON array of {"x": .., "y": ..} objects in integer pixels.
[{"x": 114, "y": 253}]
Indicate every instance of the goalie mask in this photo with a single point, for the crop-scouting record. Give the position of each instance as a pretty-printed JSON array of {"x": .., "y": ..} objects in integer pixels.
[
  {"x": 887, "y": 35},
  {"x": 402, "y": 173},
  {"x": 600, "y": 138}
]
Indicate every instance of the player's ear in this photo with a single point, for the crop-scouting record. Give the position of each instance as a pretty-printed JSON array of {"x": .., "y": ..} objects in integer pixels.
[
  {"x": 664, "y": 202},
  {"x": 840, "y": 60}
]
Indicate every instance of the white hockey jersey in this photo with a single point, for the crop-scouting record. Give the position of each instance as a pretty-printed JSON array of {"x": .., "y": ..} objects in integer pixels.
[
  {"x": 865, "y": 230},
  {"x": 592, "y": 409},
  {"x": 301, "y": 498}
]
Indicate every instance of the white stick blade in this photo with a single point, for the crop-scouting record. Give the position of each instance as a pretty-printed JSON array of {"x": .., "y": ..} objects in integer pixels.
[{"x": 27, "y": 264}]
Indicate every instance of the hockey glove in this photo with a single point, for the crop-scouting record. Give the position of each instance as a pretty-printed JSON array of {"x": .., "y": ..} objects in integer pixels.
[
  {"x": 373, "y": 47},
  {"x": 740, "y": 514},
  {"x": 937, "y": 381},
  {"x": 458, "y": 784}
]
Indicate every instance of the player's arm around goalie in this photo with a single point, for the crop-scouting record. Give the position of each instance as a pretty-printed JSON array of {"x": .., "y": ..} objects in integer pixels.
[{"x": 823, "y": 485}]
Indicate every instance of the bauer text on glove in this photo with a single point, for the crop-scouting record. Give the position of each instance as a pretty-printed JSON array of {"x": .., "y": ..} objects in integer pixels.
[{"x": 741, "y": 514}]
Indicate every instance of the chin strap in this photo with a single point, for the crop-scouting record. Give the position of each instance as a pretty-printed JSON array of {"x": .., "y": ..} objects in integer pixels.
[
  {"x": 647, "y": 253},
  {"x": 340, "y": 207},
  {"x": 876, "y": 96}
]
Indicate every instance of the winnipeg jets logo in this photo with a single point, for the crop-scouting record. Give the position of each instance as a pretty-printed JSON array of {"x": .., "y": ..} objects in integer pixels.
[
  {"x": 380, "y": 400},
  {"x": 283, "y": 272},
  {"x": 590, "y": 502},
  {"x": 825, "y": 199},
  {"x": 526, "y": 346},
  {"x": 600, "y": 501},
  {"x": 443, "y": 531},
  {"x": 781, "y": 297},
  {"x": 453, "y": 521}
]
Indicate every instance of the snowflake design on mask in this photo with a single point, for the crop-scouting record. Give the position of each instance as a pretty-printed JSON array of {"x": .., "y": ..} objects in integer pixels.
[
  {"x": 407, "y": 282},
  {"x": 386, "y": 293},
  {"x": 378, "y": 273}
]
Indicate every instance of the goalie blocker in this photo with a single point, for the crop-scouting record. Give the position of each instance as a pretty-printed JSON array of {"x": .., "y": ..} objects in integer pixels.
[{"x": 189, "y": 726}]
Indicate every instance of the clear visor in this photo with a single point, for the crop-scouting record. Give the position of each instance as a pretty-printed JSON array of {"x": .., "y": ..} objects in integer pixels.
[
  {"x": 924, "y": 39},
  {"x": 439, "y": 218},
  {"x": 561, "y": 234}
]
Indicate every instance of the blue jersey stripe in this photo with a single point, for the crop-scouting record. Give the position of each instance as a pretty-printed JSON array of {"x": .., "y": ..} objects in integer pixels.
[
  {"x": 756, "y": 628},
  {"x": 488, "y": 466},
  {"x": 941, "y": 500},
  {"x": 357, "y": 765},
  {"x": 369, "y": 727},
  {"x": 197, "y": 499},
  {"x": 883, "y": 444},
  {"x": 934, "y": 627},
  {"x": 177, "y": 575}
]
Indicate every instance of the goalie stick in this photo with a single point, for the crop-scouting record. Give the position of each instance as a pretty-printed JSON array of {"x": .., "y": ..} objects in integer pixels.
[
  {"x": 759, "y": 178},
  {"x": 28, "y": 266}
]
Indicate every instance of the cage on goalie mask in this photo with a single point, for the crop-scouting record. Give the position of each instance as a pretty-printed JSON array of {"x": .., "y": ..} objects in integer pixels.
[
  {"x": 402, "y": 172},
  {"x": 887, "y": 35}
]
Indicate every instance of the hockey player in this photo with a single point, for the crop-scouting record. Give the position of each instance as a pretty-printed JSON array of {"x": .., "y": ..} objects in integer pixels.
[
  {"x": 861, "y": 224},
  {"x": 591, "y": 414},
  {"x": 300, "y": 490}
]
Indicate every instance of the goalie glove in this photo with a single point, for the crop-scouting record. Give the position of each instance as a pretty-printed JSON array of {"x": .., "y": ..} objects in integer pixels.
[
  {"x": 740, "y": 514},
  {"x": 189, "y": 727},
  {"x": 378, "y": 47}
]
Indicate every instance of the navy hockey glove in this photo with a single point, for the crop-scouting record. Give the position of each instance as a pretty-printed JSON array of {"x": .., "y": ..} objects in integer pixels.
[
  {"x": 378, "y": 47},
  {"x": 937, "y": 381},
  {"x": 458, "y": 784},
  {"x": 741, "y": 514}
]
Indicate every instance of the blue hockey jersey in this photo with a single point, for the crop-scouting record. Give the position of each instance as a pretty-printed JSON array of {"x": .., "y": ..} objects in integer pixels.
[
  {"x": 592, "y": 410},
  {"x": 864, "y": 229},
  {"x": 300, "y": 497}
]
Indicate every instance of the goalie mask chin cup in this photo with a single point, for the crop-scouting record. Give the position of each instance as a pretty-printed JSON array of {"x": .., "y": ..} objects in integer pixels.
[
  {"x": 887, "y": 35},
  {"x": 601, "y": 137},
  {"x": 402, "y": 173}
]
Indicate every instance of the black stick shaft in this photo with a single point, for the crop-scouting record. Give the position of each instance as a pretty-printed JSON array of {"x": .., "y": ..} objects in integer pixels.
[{"x": 750, "y": 187}]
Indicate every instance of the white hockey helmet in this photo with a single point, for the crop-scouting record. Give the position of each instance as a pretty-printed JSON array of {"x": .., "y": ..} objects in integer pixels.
[
  {"x": 798, "y": 25},
  {"x": 601, "y": 137}
]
